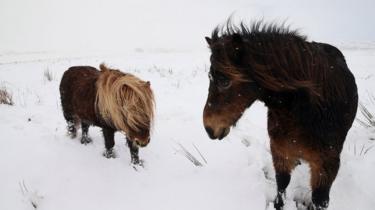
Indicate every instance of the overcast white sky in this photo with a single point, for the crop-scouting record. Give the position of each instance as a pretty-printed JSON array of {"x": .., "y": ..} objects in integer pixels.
[{"x": 56, "y": 25}]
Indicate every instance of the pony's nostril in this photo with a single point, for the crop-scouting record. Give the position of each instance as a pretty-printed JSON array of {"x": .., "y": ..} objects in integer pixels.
[
  {"x": 224, "y": 133},
  {"x": 210, "y": 132}
]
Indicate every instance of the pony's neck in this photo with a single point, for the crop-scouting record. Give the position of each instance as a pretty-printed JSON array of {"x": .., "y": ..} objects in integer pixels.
[{"x": 279, "y": 100}]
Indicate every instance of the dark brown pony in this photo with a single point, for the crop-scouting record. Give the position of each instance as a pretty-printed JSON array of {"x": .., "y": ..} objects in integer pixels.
[
  {"x": 310, "y": 93},
  {"x": 110, "y": 99}
]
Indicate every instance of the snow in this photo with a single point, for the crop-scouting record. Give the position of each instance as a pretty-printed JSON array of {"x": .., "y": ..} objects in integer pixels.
[
  {"x": 163, "y": 42},
  {"x": 60, "y": 173}
]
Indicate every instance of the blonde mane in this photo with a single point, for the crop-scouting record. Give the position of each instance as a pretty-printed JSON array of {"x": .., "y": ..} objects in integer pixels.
[{"x": 124, "y": 101}]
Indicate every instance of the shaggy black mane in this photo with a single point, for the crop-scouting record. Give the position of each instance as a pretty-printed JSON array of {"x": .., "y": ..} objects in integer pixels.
[
  {"x": 256, "y": 30},
  {"x": 278, "y": 59}
]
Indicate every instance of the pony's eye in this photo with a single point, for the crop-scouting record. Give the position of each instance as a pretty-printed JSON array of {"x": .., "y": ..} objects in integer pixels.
[
  {"x": 219, "y": 79},
  {"x": 224, "y": 83}
]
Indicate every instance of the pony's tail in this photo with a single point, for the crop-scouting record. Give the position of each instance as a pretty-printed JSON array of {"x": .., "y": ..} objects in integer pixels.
[{"x": 103, "y": 67}]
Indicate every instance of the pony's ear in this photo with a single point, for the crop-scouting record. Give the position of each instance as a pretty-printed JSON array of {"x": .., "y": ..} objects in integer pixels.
[
  {"x": 208, "y": 40},
  {"x": 103, "y": 67},
  {"x": 148, "y": 84}
]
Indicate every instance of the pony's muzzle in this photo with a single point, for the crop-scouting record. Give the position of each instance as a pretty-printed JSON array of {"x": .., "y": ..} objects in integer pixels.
[
  {"x": 142, "y": 143},
  {"x": 215, "y": 128},
  {"x": 218, "y": 133}
]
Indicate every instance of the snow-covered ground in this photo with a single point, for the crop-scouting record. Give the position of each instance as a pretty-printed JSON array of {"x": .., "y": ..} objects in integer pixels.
[
  {"x": 39, "y": 164},
  {"x": 161, "y": 41}
]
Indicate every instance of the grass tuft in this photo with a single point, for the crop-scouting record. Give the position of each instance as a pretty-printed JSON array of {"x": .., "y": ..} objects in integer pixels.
[
  {"x": 369, "y": 120},
  {"x": 30, "y": 195},
  {"x": 367, "y": 114},
  {"x": 48, "y": 76},
  {"x": 5, "y": 96},
  {"x": 360, "y": 151},
  {"x": 186, "y": 153}
]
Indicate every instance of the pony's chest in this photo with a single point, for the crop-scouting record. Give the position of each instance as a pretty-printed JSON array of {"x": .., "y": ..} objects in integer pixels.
[{"x": 282, "y": 124}]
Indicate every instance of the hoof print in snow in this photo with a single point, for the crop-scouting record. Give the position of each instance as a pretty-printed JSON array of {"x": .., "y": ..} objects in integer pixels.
[
  {"x": 245, "y": 142},
  {"x": 109, "y": 154}
]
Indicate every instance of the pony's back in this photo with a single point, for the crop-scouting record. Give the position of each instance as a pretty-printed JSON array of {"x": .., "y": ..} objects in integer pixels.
[
  {"x": 339, "y": 89},
  {"x": 78, "y": 91}
]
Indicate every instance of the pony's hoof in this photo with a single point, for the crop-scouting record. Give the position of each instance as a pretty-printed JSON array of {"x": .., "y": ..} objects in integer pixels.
[
  {"x": 278, "y": 203},
  {"x": 86, "y": 140},
  {"x": 137, "y": 166},
  {"x": 310, "y": 206},
  {"x": 303, "y": 206},
  {"x": 137, "y": 162},
  {"x": 109, "y": 154},
  {"x": 278, "y": 207},
  {"x": 71, "y": 134},
  {"x": 314, "y": 207}
]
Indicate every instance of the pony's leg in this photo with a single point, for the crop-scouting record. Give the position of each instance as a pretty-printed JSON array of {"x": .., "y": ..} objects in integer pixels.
[
  {"x": 85, "y": 136},
  {"x": 133, "y": 152},
  {"x": 283, "y": 166},
  {"x": 323, "y": 173},
  {"x": 109, "y": 141},
  {"x": 72, "y": 130}
]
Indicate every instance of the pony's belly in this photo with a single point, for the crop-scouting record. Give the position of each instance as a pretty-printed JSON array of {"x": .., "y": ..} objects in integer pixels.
[
  {"x": 293, "y": 150},
  {"x": 290, "y": 148}
]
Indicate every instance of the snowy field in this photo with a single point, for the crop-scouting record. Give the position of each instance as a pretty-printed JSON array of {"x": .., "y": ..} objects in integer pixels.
[
  {"x": 162, "y": 41},
  {"x": 236, "y": 173}
]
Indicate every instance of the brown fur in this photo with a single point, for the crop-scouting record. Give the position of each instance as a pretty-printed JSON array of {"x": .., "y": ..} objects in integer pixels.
[
  {"x": 310, "y": 93},
  {"x": 110, "y": 99}
]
